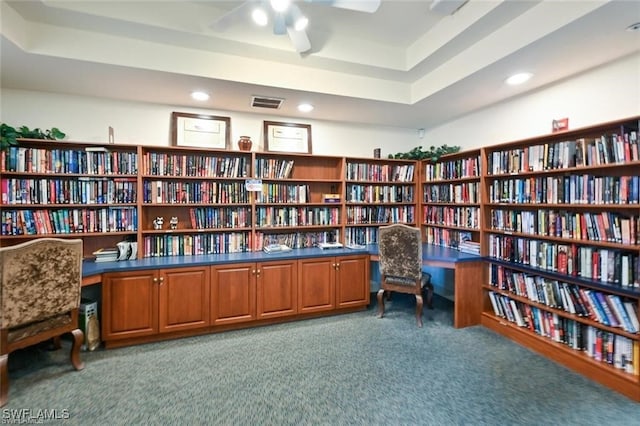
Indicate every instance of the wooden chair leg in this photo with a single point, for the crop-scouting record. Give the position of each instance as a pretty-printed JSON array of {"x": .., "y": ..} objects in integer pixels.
[
  {"x": 380, "y": 303},
  {"x": 4, "y": 379},
  {"x": 78, "y": 337},
  {"x": 419, "y": 309}
]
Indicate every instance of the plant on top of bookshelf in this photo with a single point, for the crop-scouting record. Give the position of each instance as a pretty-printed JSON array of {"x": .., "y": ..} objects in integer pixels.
[
  {"x": 9, "y": 135},
  {"x": 433, "y": 153}
]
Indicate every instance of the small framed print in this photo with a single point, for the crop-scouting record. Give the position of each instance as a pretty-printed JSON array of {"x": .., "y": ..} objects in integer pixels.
[
  {"x": 287, "y": 137},
  {"x": 201, "y": 131}
]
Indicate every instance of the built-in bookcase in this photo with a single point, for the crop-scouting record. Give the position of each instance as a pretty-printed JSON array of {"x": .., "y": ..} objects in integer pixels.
[
  {"x": 204, "y": 190},
  {"x": 296, "y": 206},
  {"x": 561, "y": 229},
  {"x": 378, "y": 192},
  {"x": 450, "y": 207},
  {"x": 70, "y": 191}
]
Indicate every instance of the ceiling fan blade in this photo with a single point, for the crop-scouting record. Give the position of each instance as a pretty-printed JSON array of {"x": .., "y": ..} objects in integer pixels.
[
  {"x": 299, "y": 40},
  {"x": 368, "y": 6},
  {"x": 235, "y": 15}
]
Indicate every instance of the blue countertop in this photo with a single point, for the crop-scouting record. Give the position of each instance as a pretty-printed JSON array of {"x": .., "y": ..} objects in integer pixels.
[{"x": 429, "y": 252}]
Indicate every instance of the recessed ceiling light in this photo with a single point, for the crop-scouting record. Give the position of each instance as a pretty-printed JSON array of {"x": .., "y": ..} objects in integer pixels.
[
  {"x": 305, "y": 107},
  {"x": 519, "y": 78},
  {"x": 200, "y": 96},
  {"x": 259, "y": 16},
  {"x": 280, "y": 5}
]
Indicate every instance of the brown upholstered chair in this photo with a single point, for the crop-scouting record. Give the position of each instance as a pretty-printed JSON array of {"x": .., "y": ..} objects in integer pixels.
[
  {"x": 39, "y": 298},
  {"x": 400, "y": 251}
]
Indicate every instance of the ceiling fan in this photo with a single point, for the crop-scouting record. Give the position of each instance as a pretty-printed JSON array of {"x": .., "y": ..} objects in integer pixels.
[{"x": 287, "y": 17}]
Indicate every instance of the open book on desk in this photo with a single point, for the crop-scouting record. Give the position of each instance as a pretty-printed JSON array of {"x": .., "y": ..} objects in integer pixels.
[
  {"x": 326, "y": 246},
  {"x": 276, "y": 248}
]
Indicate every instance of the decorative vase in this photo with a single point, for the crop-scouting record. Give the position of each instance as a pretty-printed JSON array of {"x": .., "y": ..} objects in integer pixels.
[{"x": 245, "y": 143}]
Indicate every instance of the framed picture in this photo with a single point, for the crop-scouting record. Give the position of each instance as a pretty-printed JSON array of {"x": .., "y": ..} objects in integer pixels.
[
  {"x": 202, "y": 131},
  {"x": 287, "y": 137}
]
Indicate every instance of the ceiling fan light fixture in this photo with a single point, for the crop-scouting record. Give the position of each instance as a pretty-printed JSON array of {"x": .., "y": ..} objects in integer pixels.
[
  {"x": 298, "y": 20},
  {"x": 519, "y": 78},
  {"x": 259, "y": 16},
  {"x": 280, "y": 5}
]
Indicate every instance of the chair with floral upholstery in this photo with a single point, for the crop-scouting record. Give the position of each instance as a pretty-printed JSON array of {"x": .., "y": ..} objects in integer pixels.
[
  {"x": 39, "y": 298},
  {"x": 400, "y": 251}
]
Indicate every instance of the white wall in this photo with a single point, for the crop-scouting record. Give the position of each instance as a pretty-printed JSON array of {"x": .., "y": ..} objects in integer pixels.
[
  {"x": 87, "y": 119},
  {"x": 603, "y": 94}
]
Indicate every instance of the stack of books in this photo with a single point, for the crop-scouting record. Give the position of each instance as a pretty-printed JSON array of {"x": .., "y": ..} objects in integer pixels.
[
  {"x": 469, "y": 247},
  {"x": 106, "y": 255}
]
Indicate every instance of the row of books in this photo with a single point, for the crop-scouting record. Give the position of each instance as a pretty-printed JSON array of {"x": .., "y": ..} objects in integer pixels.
[
  {"x": 297, "y": 216},
  {"x": 94, "y": 160},
  {"x": 619, "y": 351},
  {"x": 607, "y": 309},
  {"x": 617, "y": 148},
  {"x": 452, "y": 193},
  {"x": 468, "y": 217},
  {"x": 274, "y": 168},
  {"x": 283, "y": 193},
  {"x": 573, "y": 189},
  {"x": 68, "y": 191},
  {"x": 361, "y": 235},
  {"x": 196, "y": 165},
  {"x": 444, "y": 237},
  {"x": 220, "y": 217},
  {"x": 68, "y": 221},
  {"x": 296, "y": 240},
  {"x": 603, "y": 226},
  {"x": 196, "y": 244},
  {"x": 357, "y": 215},
  {"x": 194, "y": 192},
  {"x": 453, "y": 169},
  {"x": 380, "y": 172},
  {"x": 613, "y": 267},
  {"x": 380, "y": 193}
]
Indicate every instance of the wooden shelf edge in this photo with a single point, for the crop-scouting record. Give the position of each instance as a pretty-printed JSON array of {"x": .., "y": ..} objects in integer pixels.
[{"x": 626, "y": 384}]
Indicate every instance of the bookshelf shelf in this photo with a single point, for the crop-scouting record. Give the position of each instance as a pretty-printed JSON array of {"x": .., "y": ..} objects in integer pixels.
[{"x": 560, "y": 228}]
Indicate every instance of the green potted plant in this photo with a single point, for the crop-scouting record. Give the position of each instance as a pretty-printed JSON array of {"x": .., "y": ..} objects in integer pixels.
[
  {"x": 433, "y": 153},
  {"x": 9, "y": 135}
]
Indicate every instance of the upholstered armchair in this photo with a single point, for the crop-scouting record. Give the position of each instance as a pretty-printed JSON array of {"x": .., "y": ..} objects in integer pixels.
[
  {"x": 400, "y": 251},
  {"x": 39, "y": 298}
]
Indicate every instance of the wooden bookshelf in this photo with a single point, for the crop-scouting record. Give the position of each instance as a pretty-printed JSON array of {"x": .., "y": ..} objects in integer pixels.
[
  {"x": 560, "y": 226},
  {"x": 378, "y": 192},
  {"x": 450, "y": 203}
]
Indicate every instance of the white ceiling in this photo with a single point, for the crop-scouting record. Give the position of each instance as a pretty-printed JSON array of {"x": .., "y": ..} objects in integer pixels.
[{"x": 401, "y": 66}]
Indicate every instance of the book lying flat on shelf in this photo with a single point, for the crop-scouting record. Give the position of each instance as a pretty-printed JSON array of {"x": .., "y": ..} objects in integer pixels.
[
  {"x": 276, "y": 248},
  {"x": 325, "y": 246},
  {"x": 106, "y": 255}
]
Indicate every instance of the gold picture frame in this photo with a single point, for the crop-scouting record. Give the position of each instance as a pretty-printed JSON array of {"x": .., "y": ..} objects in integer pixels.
[
  {"x": 287, "y": 137},
  {"x": 200, "y": 130}
]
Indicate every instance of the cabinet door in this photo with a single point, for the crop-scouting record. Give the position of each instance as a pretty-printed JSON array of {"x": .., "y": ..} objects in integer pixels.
[
  {"x": 352, "y": 281},
  {"x": 129, "y": 304},
  {"x": 184, "y": 298},
  {"x": 233, "y": 293},
  {"x": 316, "y": 284},
  {"x": 277, "y": 289}
]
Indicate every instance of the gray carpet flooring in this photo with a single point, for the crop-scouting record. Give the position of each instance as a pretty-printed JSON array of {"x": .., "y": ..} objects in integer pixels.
[{"x": 346, "y": 369}]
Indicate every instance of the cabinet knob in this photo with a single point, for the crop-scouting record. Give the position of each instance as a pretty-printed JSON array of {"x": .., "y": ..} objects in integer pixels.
[
  {"x": 161, "y": 280},
  {"x": 258, "y": 271},
  {"x": 253, "y": 271},
  {"x": 155, "y": 280}
]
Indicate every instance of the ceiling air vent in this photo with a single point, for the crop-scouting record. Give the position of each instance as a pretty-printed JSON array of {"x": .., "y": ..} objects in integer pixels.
[{"x": 264, "y": 102}]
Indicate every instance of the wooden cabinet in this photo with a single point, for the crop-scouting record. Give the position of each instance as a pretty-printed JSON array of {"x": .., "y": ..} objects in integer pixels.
[
  {"x": 561, "y": 229},
  {"x": 143, "y": 303},
  {"x": 378, "y": 192},
  {"x": 329, "y": 283},
  {"x": 253, "y": 291}
]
